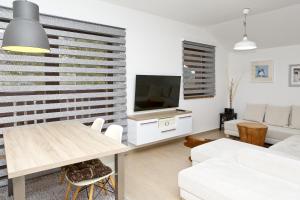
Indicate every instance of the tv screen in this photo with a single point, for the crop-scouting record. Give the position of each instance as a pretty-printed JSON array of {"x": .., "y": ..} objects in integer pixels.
[{"x": 156, "y": 92}]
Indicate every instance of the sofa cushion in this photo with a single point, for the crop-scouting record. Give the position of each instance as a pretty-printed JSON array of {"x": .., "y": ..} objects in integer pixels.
[
  {"x": 217, "y": 179},
  {"x": 278, "y": 115},
  {"x": 295, "y": 117},
  {"x": 281, "y": 133},
  {"x": 272, "y": 164},
  {"x": 221, "y": 148},
  {"x": 255, "y": 112},
  {"x": 289, "y": 146}
]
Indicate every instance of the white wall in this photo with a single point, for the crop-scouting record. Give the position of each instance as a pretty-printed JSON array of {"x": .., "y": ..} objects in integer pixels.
[
  {"x": 153, "y": 47},
  {"x": 278, "y": 92}
]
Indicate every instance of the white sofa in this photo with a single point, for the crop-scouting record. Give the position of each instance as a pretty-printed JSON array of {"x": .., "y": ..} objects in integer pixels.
[
  {"x": 230, "y": 170},
  {"x": 282, "y": 121}
]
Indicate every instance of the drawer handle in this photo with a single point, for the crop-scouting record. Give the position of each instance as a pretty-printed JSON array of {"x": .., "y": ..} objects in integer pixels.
[
  {"x": 184, "y": 117},
  {"x": 148, "y": 123},
  {"x": 169, "y": 130}
]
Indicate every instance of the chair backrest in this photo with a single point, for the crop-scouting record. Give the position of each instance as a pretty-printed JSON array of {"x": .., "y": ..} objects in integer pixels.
[
  {"x": 115, "y": 132},
  {"x": 98, "y": 124}
]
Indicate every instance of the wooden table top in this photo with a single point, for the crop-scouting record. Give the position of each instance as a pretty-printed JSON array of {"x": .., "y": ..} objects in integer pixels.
[
  {"x": 252, "y": 125},
  {"x": 39, "y": 147}
]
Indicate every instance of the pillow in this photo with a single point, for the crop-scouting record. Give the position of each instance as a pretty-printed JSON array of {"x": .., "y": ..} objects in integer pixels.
[
  {"x": 295, "y": 117},
  {"x": 265, "y": 161},
  {"x": 255, "y": 112},
  {"x": 278, "y": 115}
]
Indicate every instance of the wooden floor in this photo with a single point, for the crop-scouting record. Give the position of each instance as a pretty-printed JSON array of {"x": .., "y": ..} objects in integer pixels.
[{"x": 151, "y": 173}]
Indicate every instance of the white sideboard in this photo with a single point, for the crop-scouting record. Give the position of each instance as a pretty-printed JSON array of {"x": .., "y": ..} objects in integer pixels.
[{"x": 153, "y": 127}]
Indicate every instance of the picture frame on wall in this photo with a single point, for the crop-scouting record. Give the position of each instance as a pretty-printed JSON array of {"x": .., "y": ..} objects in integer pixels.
[
  {"x": 262, "y": 71},
  {"x": 294, "y": 75}
]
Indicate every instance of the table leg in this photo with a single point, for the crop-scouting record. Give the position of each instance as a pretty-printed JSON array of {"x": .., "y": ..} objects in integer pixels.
[
  {"x": 10, "y": 187},
  {"x": 119, "y": 167},
  {"x": 19, "y": 188}
]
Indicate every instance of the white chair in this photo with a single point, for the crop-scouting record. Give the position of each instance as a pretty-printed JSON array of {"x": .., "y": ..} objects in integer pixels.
[
  {"x": 115, "y": 132},
  {"x": 98, "y": 124}
]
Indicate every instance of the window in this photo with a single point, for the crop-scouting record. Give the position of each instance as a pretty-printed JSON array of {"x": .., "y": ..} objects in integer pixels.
[
  {"x": 198, "y": 70},
  {"x": 82, "y": 78}
]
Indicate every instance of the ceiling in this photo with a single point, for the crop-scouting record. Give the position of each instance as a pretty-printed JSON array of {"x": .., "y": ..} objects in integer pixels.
[
  {"x": 271, "y": 29},
  {"x": 271, "y": 23},
  {"x": 202, "y": 12}
]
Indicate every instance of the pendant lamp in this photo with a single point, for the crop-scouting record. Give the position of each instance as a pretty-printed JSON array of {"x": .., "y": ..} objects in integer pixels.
[
  {"x": 24, "y": 32},
  {"x": 245, "y": 44}
]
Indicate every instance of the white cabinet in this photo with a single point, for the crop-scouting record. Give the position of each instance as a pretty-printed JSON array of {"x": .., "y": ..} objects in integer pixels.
[{"x": 154, "y": 127}]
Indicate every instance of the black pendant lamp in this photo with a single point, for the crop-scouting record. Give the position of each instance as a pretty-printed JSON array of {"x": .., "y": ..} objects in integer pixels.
[{"x": 24, "y": 32}]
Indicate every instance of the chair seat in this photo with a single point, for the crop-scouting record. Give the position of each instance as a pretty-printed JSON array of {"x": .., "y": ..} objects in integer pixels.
[
  {"x": 90, "y": 181},
  {"x": 88, "y": 170}
]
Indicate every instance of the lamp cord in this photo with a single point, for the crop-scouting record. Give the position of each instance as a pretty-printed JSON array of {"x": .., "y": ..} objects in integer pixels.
[{"x": 245, "y": 25}]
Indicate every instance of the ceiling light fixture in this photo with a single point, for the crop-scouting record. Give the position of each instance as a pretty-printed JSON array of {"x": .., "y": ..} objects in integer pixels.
[
  {"x": 245, "y": 44},
  {"x": 24, "y": 32}
]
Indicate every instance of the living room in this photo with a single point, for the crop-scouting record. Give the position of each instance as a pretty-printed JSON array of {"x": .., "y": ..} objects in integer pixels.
[{"x": 161, "y": 77}]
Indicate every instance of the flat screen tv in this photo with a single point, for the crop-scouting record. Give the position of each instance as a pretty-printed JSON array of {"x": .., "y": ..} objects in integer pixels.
[{"x": 156, "y": 92}]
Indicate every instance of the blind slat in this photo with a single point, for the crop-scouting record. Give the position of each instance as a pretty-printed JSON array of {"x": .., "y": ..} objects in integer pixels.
[
  {"x": 33, "y": 107},
  {"x": 188, "y": 63},
  {"x": 202, "y": 70},
  {"x": 189, "y": 87},
  {"x": 39, "y": 59},
  {"x": 28, "y": 68},
  {"x": 53, "y": 32},
  {"x": 194, "y": 58},
  {"x": 7, "y": 99},
  {"x": 60, "y": 78},
  {"x": 55, "y": 51},
  {"x": 204, "y": 81},
  {"x": 197, "y": 53},
  {"x": 60, "y": 114},
  {"x": 116, "y": 117},
  {"x": 33, "y": 88},
  {"x": 197, "y": 76},
  {"x": 194, "y": 47},
  {"x": 199, "y": 91}
]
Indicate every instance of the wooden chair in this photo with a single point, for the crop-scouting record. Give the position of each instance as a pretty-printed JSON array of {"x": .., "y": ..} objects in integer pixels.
[
  {"x": 115, "y": 132},
  {"x": 97, "y": 125}
]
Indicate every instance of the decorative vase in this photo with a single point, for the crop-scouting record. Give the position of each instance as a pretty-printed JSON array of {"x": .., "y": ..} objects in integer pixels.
[{"x": 229, "y": 111}]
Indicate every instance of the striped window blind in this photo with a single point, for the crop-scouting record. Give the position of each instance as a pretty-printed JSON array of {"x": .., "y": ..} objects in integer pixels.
[
  {"x": 198, "y": 70},
  {"x": 82, "y": 78}
]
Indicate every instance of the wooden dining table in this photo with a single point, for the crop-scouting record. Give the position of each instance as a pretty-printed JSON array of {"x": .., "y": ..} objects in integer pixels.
[{"x": 35, "y": 148}]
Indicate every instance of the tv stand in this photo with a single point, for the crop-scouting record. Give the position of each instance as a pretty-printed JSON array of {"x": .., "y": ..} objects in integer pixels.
[{"x": 158, "y": 126}]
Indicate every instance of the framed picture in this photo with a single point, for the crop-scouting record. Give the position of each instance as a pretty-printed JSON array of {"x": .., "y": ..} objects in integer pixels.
[
  {"x": 262, "y": 71},
  {"x": 294, "y": 75}
]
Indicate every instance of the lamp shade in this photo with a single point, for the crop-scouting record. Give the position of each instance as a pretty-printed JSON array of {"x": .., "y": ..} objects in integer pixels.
[
  {"x": 24, "y": 32},
  {"x": 245, "y": 44}
]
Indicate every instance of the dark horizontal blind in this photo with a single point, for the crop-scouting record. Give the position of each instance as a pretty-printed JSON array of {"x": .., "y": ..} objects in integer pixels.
[
  {"x": 198, "y": 70},
  {"x": 82, "y": 78}
]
